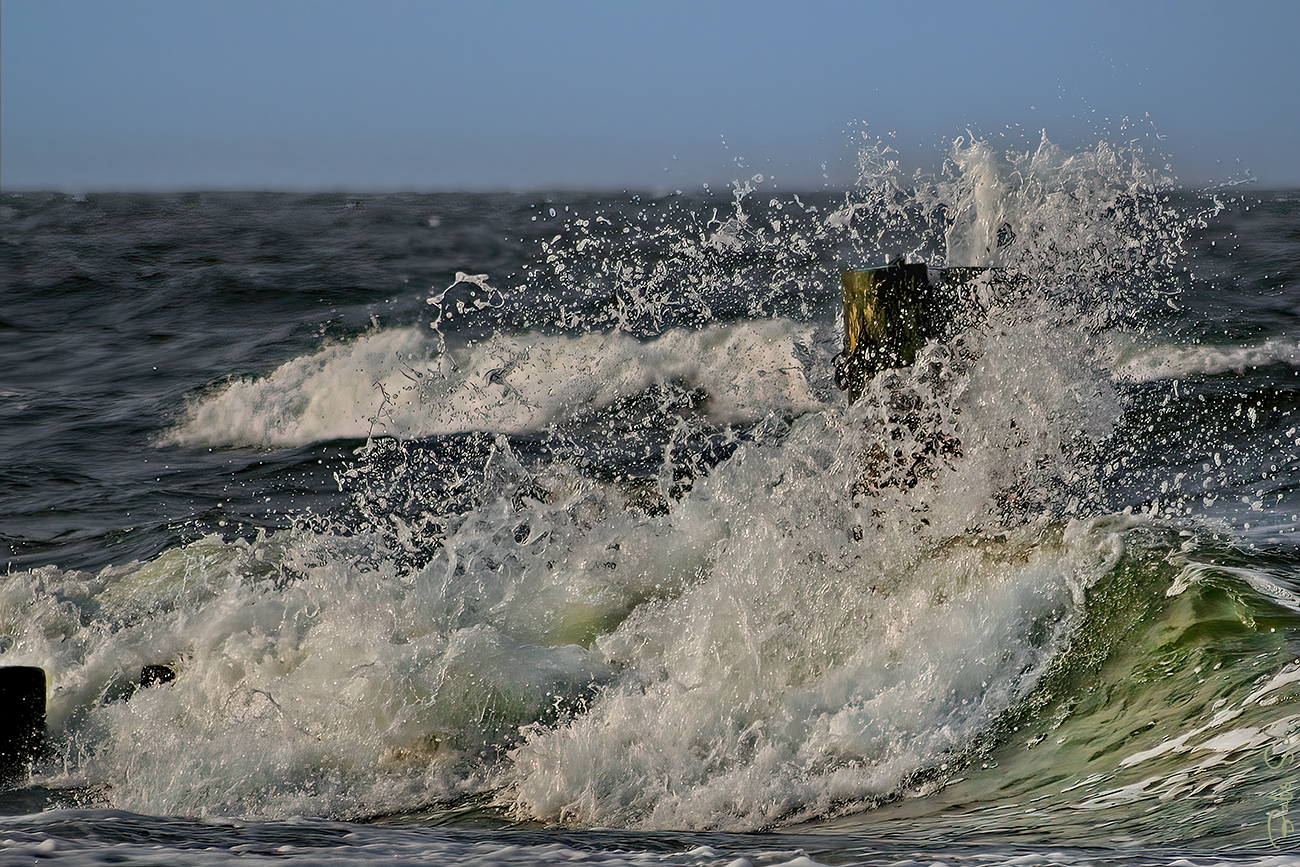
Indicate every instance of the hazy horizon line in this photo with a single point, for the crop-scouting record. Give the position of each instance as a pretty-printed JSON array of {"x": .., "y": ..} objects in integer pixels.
[{"x": 727, "y": 189}]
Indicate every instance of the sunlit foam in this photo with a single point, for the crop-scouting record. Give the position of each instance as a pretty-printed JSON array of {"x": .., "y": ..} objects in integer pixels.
[
  {"x": 396, "y": 383},
  {"x": 1172, "y": 362}
]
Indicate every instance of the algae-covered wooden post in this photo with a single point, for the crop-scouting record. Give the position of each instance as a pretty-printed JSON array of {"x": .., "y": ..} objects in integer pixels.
[{"x": 888, "y": 317}]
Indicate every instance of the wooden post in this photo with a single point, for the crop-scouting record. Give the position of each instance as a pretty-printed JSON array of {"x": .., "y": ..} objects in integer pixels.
[
  {"x": 22, "y": 722},
  {"x": 888, "y": 317}
]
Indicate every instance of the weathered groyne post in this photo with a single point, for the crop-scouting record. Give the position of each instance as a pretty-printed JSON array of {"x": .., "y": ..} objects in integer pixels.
[
  {"x": 22, "y": 722},
  {"x": 889, "y": 314}
]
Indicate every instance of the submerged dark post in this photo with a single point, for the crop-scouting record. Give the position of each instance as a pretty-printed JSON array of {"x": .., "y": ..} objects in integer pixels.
[
  {"x": 22, "y": 721},
  {"x": 888, "y": 317}
]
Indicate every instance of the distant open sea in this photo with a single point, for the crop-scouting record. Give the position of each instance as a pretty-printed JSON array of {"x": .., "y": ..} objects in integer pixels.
[{"x": 533, "y": 529}]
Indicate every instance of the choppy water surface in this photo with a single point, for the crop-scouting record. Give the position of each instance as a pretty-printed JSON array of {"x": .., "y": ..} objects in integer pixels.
[{"x": 511, "y": 529}]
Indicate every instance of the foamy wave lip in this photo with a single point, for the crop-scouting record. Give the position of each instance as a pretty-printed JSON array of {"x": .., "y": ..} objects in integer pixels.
[
  {"x": 1172, "y": 362},
  {"x": 396, "y": 383}
]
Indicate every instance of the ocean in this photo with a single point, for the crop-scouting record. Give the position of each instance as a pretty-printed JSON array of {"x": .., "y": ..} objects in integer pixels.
[{"x": 534, "y": 529}]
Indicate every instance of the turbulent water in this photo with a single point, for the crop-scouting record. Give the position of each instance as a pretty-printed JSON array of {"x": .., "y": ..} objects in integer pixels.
[{"x": 533, "y": 529}]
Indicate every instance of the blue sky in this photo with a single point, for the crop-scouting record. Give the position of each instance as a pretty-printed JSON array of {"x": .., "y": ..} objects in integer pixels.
[{"x": 398, "y": 94}]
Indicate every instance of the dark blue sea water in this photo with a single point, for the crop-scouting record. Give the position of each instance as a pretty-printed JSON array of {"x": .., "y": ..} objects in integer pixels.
[{"x": 516, "y": 529}]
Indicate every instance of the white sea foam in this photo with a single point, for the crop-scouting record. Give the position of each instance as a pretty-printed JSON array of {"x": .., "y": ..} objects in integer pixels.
[
  {"x": 764, "y": 650},
  {"x": 1150, "y": 364},
  {"x": 395, "y": 382},
  {"x": 754, "y": 669}
]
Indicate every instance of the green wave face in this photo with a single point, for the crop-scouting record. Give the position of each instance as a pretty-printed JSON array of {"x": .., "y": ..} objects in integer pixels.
[{"x": 1171, "y": 717}]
